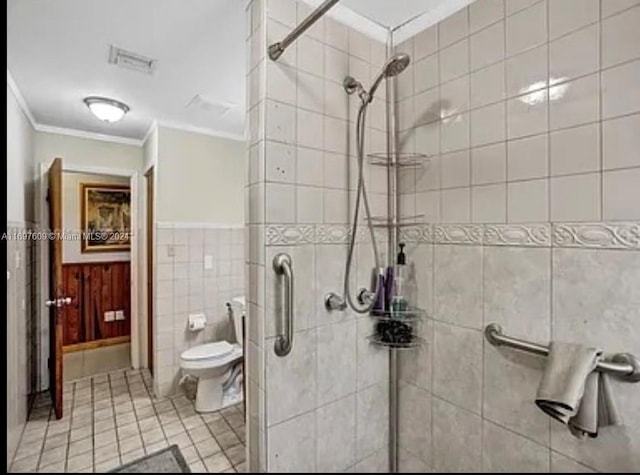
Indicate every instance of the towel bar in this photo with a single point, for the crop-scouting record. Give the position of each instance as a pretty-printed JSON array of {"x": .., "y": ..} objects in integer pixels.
[{"x": 623, "y": 365}]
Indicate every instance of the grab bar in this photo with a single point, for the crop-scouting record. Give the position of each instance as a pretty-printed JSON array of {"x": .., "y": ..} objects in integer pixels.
[
  {"x": 282, "y": 266},
  {"x": 624, "y": 365}
]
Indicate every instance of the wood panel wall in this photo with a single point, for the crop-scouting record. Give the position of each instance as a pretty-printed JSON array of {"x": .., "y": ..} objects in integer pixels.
[{"x": 95, "y": 288}]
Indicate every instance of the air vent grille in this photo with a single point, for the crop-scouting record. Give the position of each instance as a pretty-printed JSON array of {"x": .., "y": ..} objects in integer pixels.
[
  {"x": 130, "y": 60},
  {"x": 201, "y": 104}
]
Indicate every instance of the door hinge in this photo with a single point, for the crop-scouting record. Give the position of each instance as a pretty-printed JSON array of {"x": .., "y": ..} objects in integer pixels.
[{"x": 48, "y": 194}]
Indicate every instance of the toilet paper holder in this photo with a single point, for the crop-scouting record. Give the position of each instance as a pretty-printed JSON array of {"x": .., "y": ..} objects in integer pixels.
[{"x": 197, "y": 322}]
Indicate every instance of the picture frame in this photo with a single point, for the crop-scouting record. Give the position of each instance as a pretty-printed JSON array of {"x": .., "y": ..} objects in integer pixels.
[{"x": 105, "y": 217}]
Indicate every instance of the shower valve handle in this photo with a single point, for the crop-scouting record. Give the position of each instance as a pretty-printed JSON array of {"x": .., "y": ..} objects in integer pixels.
[
  {"x": 333, "y": 301},
  {"x": 365, "y": 296}
]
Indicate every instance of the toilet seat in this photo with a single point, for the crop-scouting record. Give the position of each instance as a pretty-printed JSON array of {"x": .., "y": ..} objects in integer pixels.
[
  {"x": 217, "y": 349},
  {"x": 210, "y": 355}
]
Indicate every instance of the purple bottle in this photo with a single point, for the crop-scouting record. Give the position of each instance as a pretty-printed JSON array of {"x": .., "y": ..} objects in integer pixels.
[
  {"x": 378, "y": 306},
  {"x": 388, "y": 291}
]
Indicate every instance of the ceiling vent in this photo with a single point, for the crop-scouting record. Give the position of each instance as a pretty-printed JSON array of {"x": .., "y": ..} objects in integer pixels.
[
  {"x": 201, "y": 104},
  {"x": 129, "y": 60}
]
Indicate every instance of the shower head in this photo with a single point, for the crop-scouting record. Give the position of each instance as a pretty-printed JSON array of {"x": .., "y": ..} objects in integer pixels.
[{"x": 394, "y": 66}]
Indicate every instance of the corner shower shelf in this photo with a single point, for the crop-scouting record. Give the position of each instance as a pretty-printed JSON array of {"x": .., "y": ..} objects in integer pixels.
[
  {"x": 383, "y": 221},
  {"x": 405, "y": 160},
  {"x": 415, "y": 342},
  {"x": 395, "y": 329},
  {"x": 410, "y": 315}
]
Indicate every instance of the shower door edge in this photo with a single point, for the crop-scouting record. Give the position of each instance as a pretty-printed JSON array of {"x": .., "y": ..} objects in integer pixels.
[{"x": 393, "y": 211}]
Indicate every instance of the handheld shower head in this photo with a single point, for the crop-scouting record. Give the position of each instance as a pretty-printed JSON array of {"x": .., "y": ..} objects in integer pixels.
[{"x": 394, "y": 66}]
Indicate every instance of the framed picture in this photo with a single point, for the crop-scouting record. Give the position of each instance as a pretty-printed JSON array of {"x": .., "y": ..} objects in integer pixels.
[{"x": 105, "y": 217}]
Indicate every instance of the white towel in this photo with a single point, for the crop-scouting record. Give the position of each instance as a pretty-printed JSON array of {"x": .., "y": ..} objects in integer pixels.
[{"x": 573, "y": 393}]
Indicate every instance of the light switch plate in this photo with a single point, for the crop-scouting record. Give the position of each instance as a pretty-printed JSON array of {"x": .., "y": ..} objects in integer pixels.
[
  {"x": 119, "y": 314},
  {"x": 208, "y": 261},
  {"x": 109, "y": 316}
]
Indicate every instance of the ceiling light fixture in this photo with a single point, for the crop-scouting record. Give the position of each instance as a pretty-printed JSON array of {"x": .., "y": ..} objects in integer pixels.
[{"x": 107, "y": 110}]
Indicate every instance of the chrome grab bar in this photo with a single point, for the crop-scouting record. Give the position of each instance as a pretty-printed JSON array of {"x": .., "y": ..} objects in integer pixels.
[
  {"x": 624, "y": 365},
  {"x": 276, "y": 49},
  {"x": 282, "y": 267}
]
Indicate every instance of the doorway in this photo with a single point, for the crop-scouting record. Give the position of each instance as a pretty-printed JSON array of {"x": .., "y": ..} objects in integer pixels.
[
  {"x": 96, "y": 273},
  {"x": 76, "y": 357}
]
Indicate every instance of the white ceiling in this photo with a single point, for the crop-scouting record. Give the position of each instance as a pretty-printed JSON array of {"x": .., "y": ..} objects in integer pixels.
[
  {"x": 57, "y": 54},
  {"x": 58, "y": 50},
  {"x": 392, "y": 13}
]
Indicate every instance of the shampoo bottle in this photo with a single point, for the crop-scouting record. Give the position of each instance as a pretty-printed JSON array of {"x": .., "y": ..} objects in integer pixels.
[{"x": 399, "y": 304}]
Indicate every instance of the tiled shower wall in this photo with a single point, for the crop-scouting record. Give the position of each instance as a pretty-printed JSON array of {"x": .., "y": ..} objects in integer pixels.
[
  {"x": 324, "y": 407},
  {"x": 530, "y": 112},
  {"x": 22, "y": 329},
  {"x": 184, "y": 286}
]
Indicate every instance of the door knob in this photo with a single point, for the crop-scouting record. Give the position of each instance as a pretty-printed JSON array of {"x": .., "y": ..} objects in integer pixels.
[{"x": 58, "y": 302}]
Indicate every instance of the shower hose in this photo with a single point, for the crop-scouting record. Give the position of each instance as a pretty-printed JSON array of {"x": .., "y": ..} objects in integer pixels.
[{"x": 361, "y": 194}]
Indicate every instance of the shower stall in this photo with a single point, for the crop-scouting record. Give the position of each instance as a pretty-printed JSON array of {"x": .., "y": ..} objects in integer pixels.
[
  {"x": 439, "y": 154},
  {"x": 314, "y": 123}
]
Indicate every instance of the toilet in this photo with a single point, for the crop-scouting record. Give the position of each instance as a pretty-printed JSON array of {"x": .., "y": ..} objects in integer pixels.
[{"x": 213, "y": 363}]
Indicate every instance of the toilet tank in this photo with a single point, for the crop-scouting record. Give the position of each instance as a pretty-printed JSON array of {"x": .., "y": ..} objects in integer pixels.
[{"x": 238, "y": 306}]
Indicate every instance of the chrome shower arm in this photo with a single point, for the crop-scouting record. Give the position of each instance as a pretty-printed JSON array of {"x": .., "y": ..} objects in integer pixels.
[{"x": 275, "y": 50}]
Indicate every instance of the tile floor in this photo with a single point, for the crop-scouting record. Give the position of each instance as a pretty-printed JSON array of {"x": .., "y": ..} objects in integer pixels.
[{"x": 112, "y": 419}]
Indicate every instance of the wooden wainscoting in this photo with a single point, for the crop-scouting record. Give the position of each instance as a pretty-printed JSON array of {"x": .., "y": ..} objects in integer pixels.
[{"x": 96, "y": 288}]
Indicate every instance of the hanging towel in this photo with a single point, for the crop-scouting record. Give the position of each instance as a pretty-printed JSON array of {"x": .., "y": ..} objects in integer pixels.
[
  {"x": 597, "y": 408},
  {"x": 573, "y": 393}
]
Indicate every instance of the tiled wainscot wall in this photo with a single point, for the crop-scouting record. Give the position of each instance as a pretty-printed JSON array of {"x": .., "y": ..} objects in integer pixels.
[
  {"x": 22, "y": 329},
  {"x": 465, "y": 404},
  {"x": 529, "y": 112},
  {"x": 185, "y": 286}
]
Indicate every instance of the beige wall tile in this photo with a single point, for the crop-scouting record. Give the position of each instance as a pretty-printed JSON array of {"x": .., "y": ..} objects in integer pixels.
[
  {"x": 503, "y": 450},
  {"x": 565, "y": 17}
]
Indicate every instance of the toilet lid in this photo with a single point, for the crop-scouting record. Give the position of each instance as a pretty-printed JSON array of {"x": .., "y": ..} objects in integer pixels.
[{"x": 217, "y": 349}]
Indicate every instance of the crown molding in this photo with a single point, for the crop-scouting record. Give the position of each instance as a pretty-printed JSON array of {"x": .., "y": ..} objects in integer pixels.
[
  {"x": 83, "y": 134},
  {"x": 152, "y": 128},
  {"x": 347, "y": 16},
  {"x": 200, "y": 130},
  {"x": 421, "y": 22},
  {"x": 20, "y": 98}
]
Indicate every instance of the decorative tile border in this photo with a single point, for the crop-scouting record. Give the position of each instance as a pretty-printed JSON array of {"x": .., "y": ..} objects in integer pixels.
[
  {"x": 296, "y": 234},
  {"x": 186, "y": 225},
  {"x": 536, "y": 235},
  {"x": 613, "y": 235},
  {"x": 416, "y": 233},
  {"x": 597, "y": 235},
  {"x": 286, "y": 235},
  {"x": 332, "y": 233},
  {"x": 457, "y": 234},
  {"x": 16, "y": 226}
]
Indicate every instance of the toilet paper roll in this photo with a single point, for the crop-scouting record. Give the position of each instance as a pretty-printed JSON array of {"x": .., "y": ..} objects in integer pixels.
[{"x": 197, "y": 322}]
